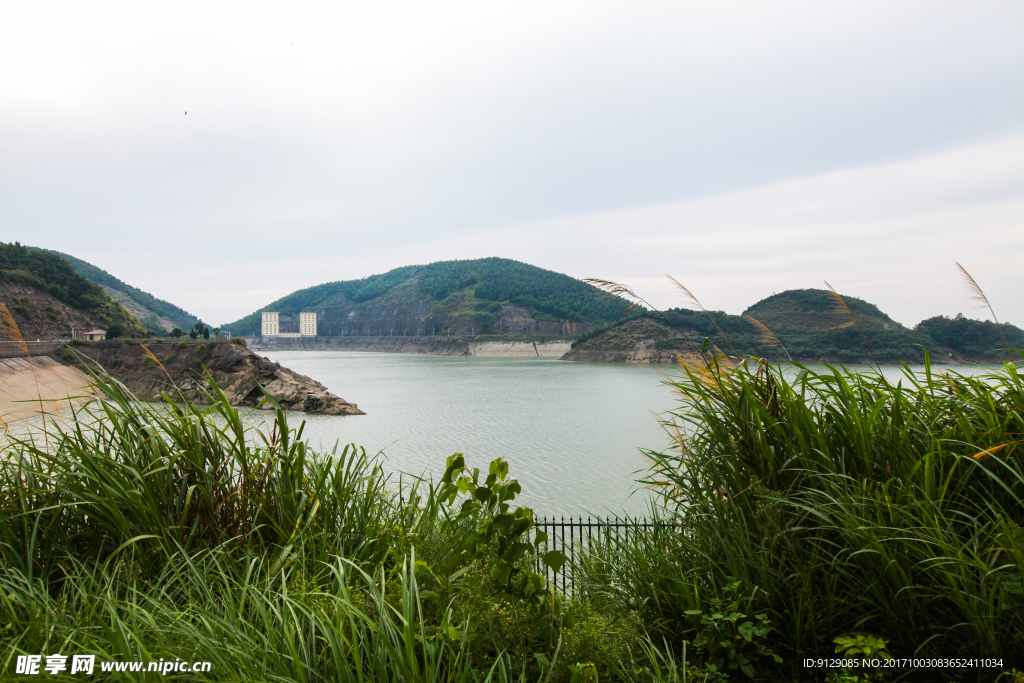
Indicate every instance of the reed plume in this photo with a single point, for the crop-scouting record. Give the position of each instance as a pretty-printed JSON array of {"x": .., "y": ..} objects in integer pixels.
[
  {"x": 975, "y": 289},
  {"x": 840, "y": 305},
  {"x": 694, "y": 300},
  {"x": 152, "y": 357},
  {"x": 13, "y": 332},
  {"x": 768, "y": 337},
  {"x": 617, "y": 289},
  {"x": 10, "y": 327}
]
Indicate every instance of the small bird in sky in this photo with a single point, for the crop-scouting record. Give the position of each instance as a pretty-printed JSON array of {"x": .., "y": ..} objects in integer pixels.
[{"x": 186, "y": 113}]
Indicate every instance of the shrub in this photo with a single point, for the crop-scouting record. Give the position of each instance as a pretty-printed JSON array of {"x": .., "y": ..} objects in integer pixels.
[
  {"x": 240, "y": 341},
  {"x": 22, "y": 305}
]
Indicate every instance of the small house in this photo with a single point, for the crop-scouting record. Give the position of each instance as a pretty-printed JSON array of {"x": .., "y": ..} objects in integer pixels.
[{"x": 95, "y": 335}]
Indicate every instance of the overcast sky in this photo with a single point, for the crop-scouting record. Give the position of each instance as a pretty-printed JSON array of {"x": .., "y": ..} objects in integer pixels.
[{"x": 745, "y": 148}]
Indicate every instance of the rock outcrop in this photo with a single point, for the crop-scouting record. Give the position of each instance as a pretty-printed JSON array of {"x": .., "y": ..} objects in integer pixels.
[
  {"x": 39, "y": 315},
  {"x": 642, "y": 340},
  {"x": 179, "y": 367}
]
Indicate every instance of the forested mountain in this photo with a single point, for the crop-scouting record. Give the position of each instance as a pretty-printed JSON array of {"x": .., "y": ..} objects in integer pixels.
[
  {"x": 157, "y": 314},
  {"x": 51, "y": 275},
  {"x": 481, "y": 296}
]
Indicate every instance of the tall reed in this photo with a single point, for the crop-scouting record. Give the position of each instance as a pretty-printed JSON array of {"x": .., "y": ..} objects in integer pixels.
[{"x": 845, "y": 503}]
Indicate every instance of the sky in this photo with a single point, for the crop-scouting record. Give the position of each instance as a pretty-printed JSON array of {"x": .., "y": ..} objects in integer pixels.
[{"x": 744, "y": 148}]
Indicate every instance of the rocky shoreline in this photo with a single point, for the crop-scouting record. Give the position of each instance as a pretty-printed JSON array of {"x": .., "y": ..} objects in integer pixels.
[{"x": 179, "y": 367}]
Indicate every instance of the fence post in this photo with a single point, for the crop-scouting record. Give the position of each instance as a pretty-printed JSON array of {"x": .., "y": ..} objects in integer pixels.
[{"x": 610, "y": 532}]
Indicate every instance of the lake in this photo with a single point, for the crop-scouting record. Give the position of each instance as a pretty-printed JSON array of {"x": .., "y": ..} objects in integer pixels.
[{"x": 571, "y": 432}]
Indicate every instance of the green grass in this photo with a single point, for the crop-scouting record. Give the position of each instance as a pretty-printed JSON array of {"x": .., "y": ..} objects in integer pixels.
[
  {"x": 834, "y": 503},
  {"x": 800, "y": 508},
  {"x": 142, "y": 531}
]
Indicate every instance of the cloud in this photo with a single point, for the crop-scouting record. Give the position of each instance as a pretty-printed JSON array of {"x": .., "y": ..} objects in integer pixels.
[
  {"x": 333, "y": 140},
  {"x": 887, "y": 233}
]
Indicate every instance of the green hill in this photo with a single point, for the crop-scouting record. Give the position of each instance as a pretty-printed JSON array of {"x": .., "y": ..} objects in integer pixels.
[
  {"x": 971, "y": 337},
  {"x": 481, "y": 296},
  {"x": 807, "y": 322},
  {"x": 814, "y": 311},
  {"x": 811, "y": 326},
  {"x": 155, "y": 313},
  {"x": 54, "y": 276}
]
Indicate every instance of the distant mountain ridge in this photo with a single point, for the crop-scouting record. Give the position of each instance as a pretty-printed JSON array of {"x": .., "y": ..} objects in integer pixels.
[
  {"x": 807, "y": 322},
  {"x": 155, "y": 313},
  {"x": 480, "y": 296}
]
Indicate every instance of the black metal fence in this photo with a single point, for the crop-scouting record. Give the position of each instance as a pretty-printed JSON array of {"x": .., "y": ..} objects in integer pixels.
[{"x": 576, "y": 536}]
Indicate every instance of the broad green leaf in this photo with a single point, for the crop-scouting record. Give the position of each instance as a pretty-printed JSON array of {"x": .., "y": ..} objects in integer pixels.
[
  {"x": 518, "y": 550},
  {"x": 555, "y": 560}
]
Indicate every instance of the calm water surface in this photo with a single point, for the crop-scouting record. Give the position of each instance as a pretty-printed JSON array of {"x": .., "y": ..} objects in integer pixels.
[{"x": 570, "y": 431}]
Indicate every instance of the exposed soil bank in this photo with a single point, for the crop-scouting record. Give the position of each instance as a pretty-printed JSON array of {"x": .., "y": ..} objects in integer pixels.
[
  {"x": 635, "y": 341},
  {"x": 235, "y": 368},
  {"x": 44, "y": 385},
  {"x": 555, "y": 349},
  {"x": 40, "y": 316}
]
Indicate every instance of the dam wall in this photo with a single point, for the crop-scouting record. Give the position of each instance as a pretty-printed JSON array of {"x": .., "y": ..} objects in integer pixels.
[
  {"x": 434, "y": 346},
  {"x": 45, "y": 384}
]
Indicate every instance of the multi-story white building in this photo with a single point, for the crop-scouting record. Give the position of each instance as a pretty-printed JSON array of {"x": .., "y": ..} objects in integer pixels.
[
  {"x": 307, "y": 324},
  {"x": 270, "y": 325}
]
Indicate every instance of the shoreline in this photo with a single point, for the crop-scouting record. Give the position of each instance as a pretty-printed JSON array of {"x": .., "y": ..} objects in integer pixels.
[
  {"x": 459, "y": 346},
  {"x": 431, "y": 346}
]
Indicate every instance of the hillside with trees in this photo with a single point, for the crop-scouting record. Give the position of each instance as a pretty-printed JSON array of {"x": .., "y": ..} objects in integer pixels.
[
  {"x": 971, "y": 337},
  {"x": 480, "y": 296},
  {"x": 812, "y": 311},
  {"x": 802, "y": 324},
  {"x": 158, "y": 315},
  {"x": 46, "y": 276}
]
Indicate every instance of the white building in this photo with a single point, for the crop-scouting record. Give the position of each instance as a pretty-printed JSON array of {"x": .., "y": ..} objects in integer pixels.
[
  {"x": 270, "y": 326},
  {"x": 307, "y": 324}
]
